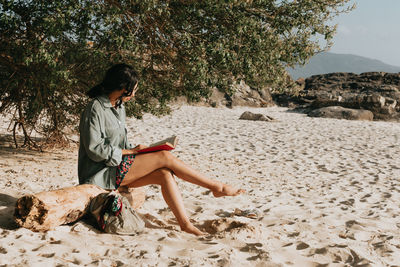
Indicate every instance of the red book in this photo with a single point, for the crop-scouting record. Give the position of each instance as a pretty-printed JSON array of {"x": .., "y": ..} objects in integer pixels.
[{"x": 166, "y": 144}]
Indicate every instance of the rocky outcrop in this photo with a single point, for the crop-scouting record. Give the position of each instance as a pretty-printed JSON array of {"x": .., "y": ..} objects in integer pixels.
[
  {"x": 247, "y": 96},
  {"x": 338, "y": 112},
  {"x": 378, "y": 92},
  {"x": 244, "y": 96}
]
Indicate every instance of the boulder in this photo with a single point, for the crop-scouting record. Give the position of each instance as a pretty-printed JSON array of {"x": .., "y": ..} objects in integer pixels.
[
  {"x": 338, "y": 112},
  {"x": 217, "y": 98},
  {"x": 247, "y": 115},
  {"x": 246, "y": 96}
]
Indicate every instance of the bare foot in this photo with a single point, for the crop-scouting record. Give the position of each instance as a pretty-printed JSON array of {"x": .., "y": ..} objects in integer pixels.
[
  {"x": 227, "y": 190},
  {"x": 191, "y": 229}
]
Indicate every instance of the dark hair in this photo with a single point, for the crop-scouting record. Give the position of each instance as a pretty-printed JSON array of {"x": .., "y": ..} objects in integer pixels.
[{"x": 118, "y": 77}]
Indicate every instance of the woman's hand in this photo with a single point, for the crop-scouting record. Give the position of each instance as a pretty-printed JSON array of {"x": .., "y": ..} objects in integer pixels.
[
  {"x": 137, "y": 148},
  {"x": 133, "y": 151}
]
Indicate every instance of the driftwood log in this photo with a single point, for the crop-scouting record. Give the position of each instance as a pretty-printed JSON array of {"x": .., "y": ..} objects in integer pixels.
[{"x": 46, "y": 210}]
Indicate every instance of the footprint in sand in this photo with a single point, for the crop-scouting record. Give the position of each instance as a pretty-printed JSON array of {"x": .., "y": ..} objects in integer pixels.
[
  {"x": 3, "y": 250},
  {"x": 302, "y": 246},
  {"x": 47, "y": 255},
  {"x": 382, "y": 245},
  {"x": 224, "y": 225},
  {"x": 255, "y": 248},
  {"x": 342, "y": 255},
  {"x": 251, "y": 247}
]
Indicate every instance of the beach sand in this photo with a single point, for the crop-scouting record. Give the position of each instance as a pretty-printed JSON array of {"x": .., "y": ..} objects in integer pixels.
[{"x": 321, "y": 191}]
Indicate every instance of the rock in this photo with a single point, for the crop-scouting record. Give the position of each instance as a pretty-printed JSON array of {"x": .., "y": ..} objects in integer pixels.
[
  {"x": 247, "y": 115},
  {"x": 244, "y": 96},
  {"x": 247, "y": 96},
  {"x": 378, "y": 92},
  {"x": 217, "y": 99},
  {"x": 301, "y": 82},
  {"x": 338, "y": 112}
]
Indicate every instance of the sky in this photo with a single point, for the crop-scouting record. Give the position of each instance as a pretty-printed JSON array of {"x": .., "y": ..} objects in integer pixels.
[{"x": 371, "y": 30}]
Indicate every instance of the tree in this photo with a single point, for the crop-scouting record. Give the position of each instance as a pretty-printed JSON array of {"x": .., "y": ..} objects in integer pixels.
[{"x": 51, "y": 52}]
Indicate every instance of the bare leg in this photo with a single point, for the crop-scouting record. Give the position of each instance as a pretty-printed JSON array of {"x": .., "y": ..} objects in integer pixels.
[
  {"x": 145, "y": 164},
  {"x": 171, "y": 194}
]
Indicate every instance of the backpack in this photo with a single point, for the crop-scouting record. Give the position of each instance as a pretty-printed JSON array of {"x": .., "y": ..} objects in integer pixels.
[{"x": 114, "y": 214}]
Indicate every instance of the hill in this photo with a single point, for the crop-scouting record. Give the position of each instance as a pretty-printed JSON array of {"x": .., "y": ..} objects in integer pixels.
[{"x": 330, "y": 62}]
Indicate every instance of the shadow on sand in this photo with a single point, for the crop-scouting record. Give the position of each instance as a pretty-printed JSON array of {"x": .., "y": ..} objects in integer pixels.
[
  {"x": 7, "y": 205},
  {"x": 300, "y": 110},
  {"x": 7, "y": 142}
]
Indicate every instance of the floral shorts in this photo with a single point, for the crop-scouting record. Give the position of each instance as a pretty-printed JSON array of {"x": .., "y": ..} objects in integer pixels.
[{"x": 123, "y": 169}]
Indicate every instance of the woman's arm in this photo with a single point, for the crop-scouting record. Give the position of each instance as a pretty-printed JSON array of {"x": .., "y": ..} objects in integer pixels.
[{"x": 97, "y": 147}]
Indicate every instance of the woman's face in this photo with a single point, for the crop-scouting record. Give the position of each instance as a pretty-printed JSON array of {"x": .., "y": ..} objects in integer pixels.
[{"x": 127, "y": 98}]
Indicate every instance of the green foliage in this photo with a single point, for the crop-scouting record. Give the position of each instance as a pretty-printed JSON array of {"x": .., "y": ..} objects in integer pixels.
[{"x": 51, "y": 52}]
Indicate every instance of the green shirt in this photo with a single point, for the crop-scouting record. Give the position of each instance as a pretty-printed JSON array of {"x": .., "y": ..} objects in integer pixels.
[{"x": 102, "y": 137}]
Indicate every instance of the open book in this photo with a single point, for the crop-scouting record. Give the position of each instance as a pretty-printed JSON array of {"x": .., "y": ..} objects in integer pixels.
[{"x": 166, "y": 144}]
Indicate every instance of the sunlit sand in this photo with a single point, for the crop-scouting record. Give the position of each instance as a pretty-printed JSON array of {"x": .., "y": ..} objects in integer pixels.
[{"x": 318, "y": 191}]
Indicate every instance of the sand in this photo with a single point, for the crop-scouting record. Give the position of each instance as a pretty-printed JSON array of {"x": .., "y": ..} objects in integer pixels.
[{"x": 320, "y": 191}]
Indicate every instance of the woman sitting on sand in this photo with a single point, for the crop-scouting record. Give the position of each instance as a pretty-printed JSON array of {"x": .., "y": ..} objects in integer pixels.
[{"x": 109, "y": 161}]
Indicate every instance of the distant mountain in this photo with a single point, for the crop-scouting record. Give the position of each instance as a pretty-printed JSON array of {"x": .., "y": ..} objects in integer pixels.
[{"x": 329, "y": 62}]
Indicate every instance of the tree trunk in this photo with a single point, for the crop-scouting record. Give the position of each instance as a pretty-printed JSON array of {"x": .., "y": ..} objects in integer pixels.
[{"x": 46, "y": 210}]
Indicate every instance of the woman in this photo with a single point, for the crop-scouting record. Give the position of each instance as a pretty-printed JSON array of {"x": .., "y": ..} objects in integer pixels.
[{"x": 107, "y": 159}]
